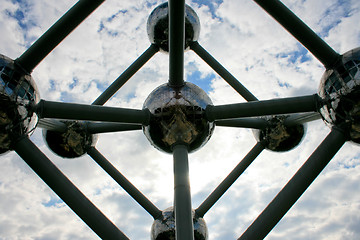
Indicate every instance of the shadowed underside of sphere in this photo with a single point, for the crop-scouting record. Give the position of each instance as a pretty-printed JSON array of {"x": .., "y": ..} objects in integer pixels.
[
  {"x": 71, "y": 143},
  {"x": 164, "y": 228},
  {"x": 18, "y": 92},
  {"x": 178, "y": 117},
  {"x": 278, "y": 137},
  {"x": 158, "y": 26},
  {"x": 340, "y": 93}
]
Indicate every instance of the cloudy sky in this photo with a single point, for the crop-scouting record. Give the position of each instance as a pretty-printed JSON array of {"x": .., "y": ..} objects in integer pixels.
[{"x": 253, "y": 47}]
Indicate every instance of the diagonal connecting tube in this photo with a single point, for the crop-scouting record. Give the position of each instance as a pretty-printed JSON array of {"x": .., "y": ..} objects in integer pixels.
[
  {"x": 298, "y": 184},
  {"x": 56, "y": 33},
  {"x": 66, "y": 190},
  {"x": 305, "y": 35}
]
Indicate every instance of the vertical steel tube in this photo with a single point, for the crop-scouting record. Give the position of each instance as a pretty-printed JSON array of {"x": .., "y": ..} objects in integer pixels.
[
  {"x": 124, "y": 183},
  {"x": 225, "y": 74},
  {"x": 297, "y": 185},
  {"x": 56, "y": 33},
  {"x": 66, "y": 190},
  {"x": 229, "y": 180},
  {"x": 176, "y": 42},
  {"x": 126, "y": 75},
  {"x": 305, "y": 35},
  {"x": 182, "y": 196}
]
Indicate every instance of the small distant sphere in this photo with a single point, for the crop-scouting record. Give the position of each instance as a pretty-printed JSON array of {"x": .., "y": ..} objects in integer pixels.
[
  {"x": 279, "y": 137},
  {"x": 72, "y": 143},
  {"x": 340, "y": 93},
  {"x": 178, "y": 116},
  {"x": 18, "y": 92},
  {"x": 158, "y": 26},
  {"x": 164, "y": 228}
]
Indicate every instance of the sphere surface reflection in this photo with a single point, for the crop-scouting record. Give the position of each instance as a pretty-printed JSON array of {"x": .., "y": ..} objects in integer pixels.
[
  {"x": 73, "y": 142},
  {"x": 178, "y": 116},
  {"x": 164, "y": 228},
  {"x": 18, "y": 93},
  {"x": 278, "y": 137},
  {"x": 158, "y": 26},
  {"x": 340, "y": 93}
]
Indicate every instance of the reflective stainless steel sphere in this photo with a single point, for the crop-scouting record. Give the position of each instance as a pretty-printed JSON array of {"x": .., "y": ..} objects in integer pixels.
[
  {"x": 164, "y": 228},
  {"x": 18, "y": 93},
  {"x": 158, "y": 26},
  {"x": 340, "y": 93},
  {"x": 278, "y": 137},
  {"x": 72, "y": 143},
  {"x": 178, "y": 117}
]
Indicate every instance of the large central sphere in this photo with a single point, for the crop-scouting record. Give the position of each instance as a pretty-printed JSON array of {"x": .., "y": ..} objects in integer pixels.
[
  {"x": 18, "y": 93},
  {"x": 340, "y": 93},
  {"x": 178, "y": 117}
]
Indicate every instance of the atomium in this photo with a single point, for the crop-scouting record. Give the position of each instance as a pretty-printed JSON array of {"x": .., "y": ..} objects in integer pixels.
[
  {"x": 175, "y": 119},
  {"x": 18, "y": 93},
  {"x": 164, "y": 228},
  {"x": 178, "y": 116},
  {"x": 340, "y": 93},
  {"x": 158, "y": 26}
]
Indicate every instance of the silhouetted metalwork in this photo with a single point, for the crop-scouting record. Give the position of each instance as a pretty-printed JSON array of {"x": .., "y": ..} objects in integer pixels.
[
  {"x": 124, "y": 183},
  {"x": 296, "y": 186},
  {"x": 178, "y": 118},
  {"x": 225, "y": 74},
  {"x": 182, "y": 196},
  {"x": 320, "y": 49},
  {"x": 230, "y": 179},
  {"x": 126, "y": 75},
  {"x": 65, "y": 189},
  {"x": 58, "y": 32}
]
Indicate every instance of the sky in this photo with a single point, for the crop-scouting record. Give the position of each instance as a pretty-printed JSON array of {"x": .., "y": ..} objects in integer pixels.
[{"x": 245, "y": 40}]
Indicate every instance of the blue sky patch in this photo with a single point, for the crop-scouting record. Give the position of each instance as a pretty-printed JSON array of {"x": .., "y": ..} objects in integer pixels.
[
  {"x": 53, "y": 202},
  {"x": 212, "y": 5},
  {"x": 301, "y": 55},
  {"x": 74, "y": 83},
  {"x": 202, "y": 82}
]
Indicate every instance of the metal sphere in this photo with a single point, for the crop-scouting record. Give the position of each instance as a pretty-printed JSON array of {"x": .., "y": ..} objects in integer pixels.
[
  {"x": 71, "y": 143},
  {"x": 340, "y": 93},
  {"x": 178, "y": 116},
  {"x": 164, "y": 228},
  {"x": 18, "y": 92},
  {"x": 158, "y": 26},
  {"x": 278, "y": 137}
]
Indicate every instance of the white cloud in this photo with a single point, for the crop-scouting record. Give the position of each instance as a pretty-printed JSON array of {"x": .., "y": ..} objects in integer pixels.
[{"x": 245, "y": 40}]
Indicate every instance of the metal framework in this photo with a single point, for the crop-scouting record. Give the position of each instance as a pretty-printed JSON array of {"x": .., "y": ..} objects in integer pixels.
[{"x": 116, "y": 119}]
